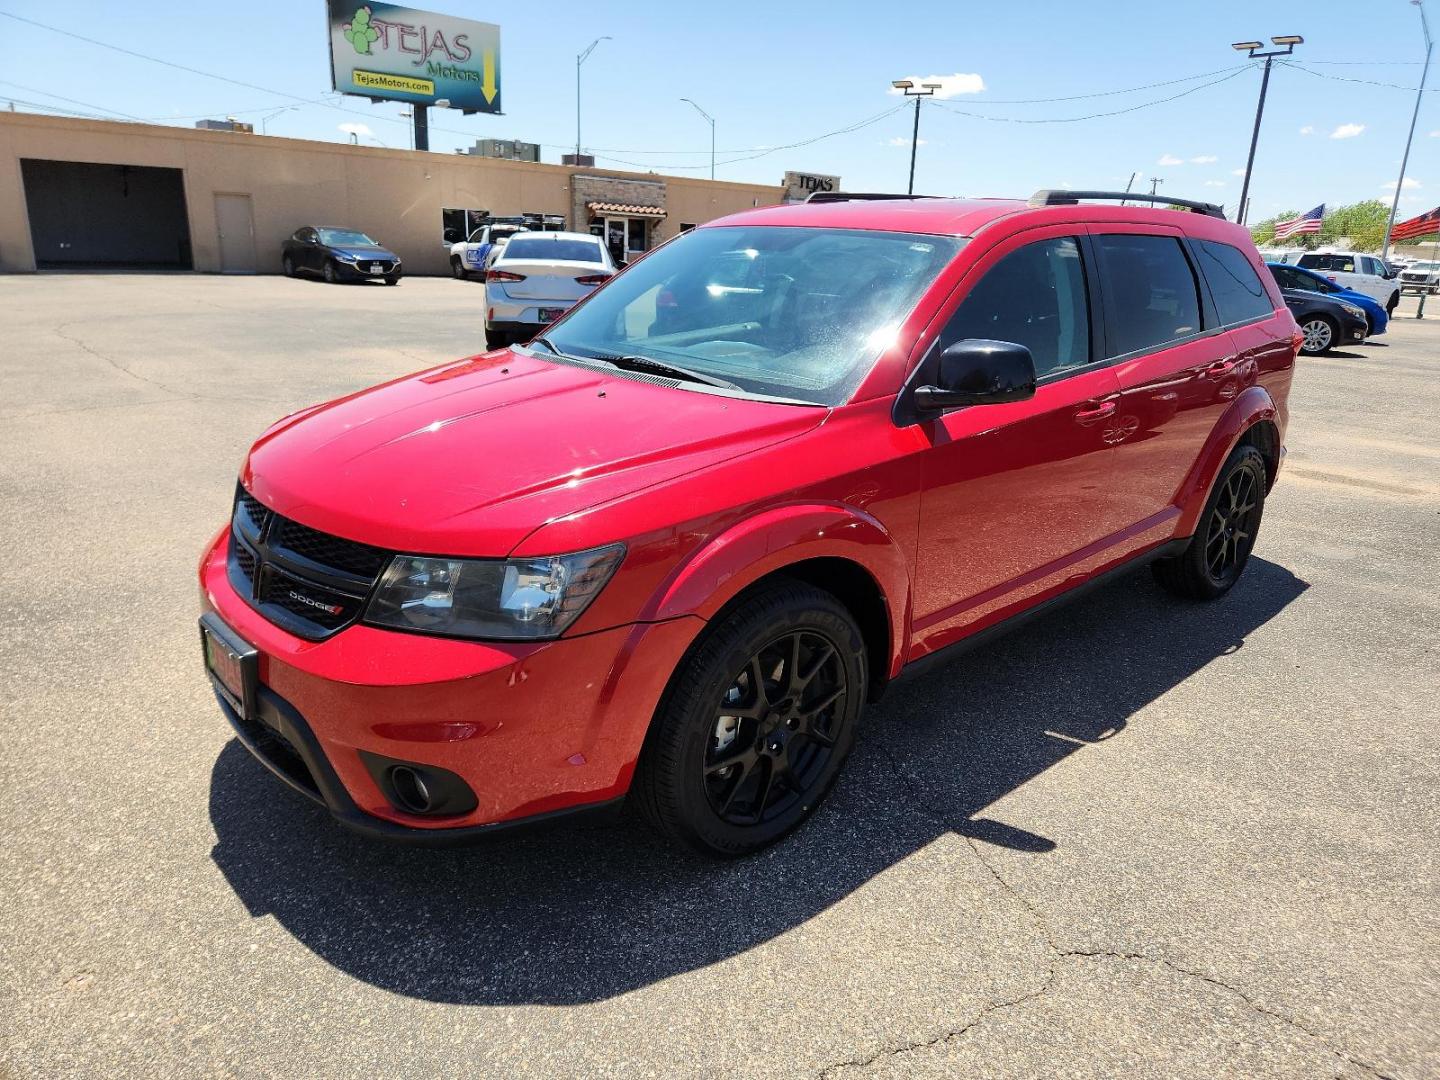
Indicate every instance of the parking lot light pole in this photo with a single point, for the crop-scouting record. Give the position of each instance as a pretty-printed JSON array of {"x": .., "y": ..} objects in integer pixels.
[
  {"x": 710, "y": 118},
  {"x": 1249, "y": 47},
  {"x": 580, "y": 58},
  {"x": 1405, "y": 158},
  {"x": 907, "y": 87}
]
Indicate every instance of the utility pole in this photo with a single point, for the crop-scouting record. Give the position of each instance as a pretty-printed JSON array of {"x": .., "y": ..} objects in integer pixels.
[
  {"x": 1155, "y": 181},
  {"x": 1249, "y": 47},
  {"x": 580, "y": 59},
  {"x": 926, "y": 90},
  {"x": 1405, "y": 158}
]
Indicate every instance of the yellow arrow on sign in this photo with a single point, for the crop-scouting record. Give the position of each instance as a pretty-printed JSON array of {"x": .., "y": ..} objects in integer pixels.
[{"x": 488, "y": 86}]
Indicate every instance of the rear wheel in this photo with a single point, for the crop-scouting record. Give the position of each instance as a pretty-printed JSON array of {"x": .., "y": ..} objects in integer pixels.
[
  {"x": 756, "y": 724},
  {"x": 496, "y": 339},
  {"x": 1318, "y": 334},
  {"x": 1392, "y": 303},
  {"x": 1225, "y": 534}
]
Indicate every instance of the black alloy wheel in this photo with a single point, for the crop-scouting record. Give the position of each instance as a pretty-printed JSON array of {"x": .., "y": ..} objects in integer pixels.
[
  {"x": 1232, "y": 525},
  {"x": 775, "y": 729},
  {"x": 756, "y": 723}
]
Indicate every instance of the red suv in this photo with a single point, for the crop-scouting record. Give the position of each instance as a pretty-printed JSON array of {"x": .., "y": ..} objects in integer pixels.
[{"x": 669, "y": 549}]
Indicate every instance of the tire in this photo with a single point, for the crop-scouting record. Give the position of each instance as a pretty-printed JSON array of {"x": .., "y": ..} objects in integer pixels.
[
  {"x": 1369, "y": 326},
  {"x": 726, "y": 784},
  {"x": 1392, "y": 303},
  {"x": 457, "y": 268},
  {"x": 393, "y": 279},
  {"x": 1320, "y": 334},
  {"x": 496, "y": 339},
  {"x": 287, "y": 266},
  {"x": 1220, "y": 549},
  {"x": 329, "y": 272}
]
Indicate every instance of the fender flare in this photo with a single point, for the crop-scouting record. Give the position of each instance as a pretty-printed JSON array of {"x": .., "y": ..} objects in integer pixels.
[
  {"x": 735, "y": 559},
  {"x": 1251, "y": 406}
]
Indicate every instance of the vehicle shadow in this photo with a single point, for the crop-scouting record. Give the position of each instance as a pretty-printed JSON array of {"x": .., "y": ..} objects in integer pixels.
[{"x": 581, "y": 914}]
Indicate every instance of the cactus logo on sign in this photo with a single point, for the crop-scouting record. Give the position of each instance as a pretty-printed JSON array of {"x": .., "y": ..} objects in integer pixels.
[{"x": 401, "y": 54}]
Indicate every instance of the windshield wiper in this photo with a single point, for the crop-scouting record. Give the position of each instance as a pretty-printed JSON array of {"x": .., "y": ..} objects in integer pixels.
[{"x": 663, "y": 367}]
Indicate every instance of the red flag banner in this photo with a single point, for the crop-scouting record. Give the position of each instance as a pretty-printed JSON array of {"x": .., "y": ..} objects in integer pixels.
[{"x": 1416, "y": 227}]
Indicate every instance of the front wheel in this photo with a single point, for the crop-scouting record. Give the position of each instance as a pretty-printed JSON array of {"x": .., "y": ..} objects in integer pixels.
[
  {"x": 393, "y": 279},
  {"x": 329, "y": 273},
  {"x": 1318, "y": 334},
  {"x": 287, "y": 265},
  {"x": 457, "y": 268},
  {"x": 756, "y": 723},
  {"x": 1225, "y": 535}
]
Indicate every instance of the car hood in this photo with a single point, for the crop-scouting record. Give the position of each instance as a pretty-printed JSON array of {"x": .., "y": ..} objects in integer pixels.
[
  {"x": 470, "y": 458},
  {"x": 365, "y": 252}
]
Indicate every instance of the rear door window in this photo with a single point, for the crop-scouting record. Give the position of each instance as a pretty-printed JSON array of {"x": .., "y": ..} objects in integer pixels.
[
  {"x": 1237, "y": 289},
  {"x": 1151, "y": 296},
  {"x": 1034, "y": 296}
]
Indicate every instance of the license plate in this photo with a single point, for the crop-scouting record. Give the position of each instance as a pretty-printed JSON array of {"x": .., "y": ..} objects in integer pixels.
[
  {"x": 550, "y": 314},
  {"x": 233, "y": 664},
  {"x": 376, "y": 268}
]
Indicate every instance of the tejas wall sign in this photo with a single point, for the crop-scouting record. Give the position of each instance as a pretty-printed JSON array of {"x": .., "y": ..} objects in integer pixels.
[{"x": 401, "y": 54}]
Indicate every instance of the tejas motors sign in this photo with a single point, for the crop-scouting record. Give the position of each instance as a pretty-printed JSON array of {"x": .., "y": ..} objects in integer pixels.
[{"x": 401, "y": 54}]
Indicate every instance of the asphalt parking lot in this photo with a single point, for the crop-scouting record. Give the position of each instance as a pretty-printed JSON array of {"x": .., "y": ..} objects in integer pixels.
[{"x": 1136, "y": 838}]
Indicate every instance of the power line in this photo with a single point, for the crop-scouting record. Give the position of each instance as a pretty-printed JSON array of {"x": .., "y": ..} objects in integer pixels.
[
  {"x": 61, "y": 97},
  {"x": 1091, "y": 116},
  {"x": 1346, "y": 78},
  {"x": 1107, "y": 93}
]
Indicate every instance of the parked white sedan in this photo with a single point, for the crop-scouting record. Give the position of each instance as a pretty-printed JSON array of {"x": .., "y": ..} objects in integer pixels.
[{"x": 536, "y": 278}]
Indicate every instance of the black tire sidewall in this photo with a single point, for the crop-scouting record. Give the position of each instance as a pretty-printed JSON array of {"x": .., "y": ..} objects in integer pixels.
[
  {"x": 1242, "y": 457},
  {"x": 688, "y": 715}
]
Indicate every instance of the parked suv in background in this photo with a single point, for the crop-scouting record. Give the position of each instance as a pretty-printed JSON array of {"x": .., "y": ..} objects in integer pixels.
[
  {"x": 673, "y": 546},
  {"x": 1421, "y": 277},
  {"x": 1352, "y": 270}
]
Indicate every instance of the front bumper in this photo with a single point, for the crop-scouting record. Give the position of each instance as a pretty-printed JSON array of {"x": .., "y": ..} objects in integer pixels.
[
  {"x": 361, "y": 272},
  {"x": 536, "y": 730}
]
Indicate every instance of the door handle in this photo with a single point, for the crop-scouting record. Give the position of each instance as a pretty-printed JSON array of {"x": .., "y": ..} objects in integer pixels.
[
  {"x": 1220, "y": 368},
  {"x": 1093, "y": 411}
]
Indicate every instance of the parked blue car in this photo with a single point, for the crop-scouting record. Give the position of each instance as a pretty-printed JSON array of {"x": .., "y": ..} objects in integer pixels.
[{"x": 1292, "y": 277}]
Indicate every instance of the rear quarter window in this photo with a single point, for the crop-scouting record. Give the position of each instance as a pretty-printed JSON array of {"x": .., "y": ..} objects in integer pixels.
[{"x": 1239, "y": 294}]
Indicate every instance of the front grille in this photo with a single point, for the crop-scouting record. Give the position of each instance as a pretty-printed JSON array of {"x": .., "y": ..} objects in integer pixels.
[
  {"x": 309, "y": 582},
  {"x": 370, "y": 265}
]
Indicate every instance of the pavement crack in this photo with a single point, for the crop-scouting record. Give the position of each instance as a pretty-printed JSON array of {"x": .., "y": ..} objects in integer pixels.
[{"x": 60, "y": 332}]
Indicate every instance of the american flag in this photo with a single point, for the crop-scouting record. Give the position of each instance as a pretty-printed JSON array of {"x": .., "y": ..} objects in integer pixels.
[
  {"x": 1416, "y": 227},
  {"x": 1305, "y": 223}
]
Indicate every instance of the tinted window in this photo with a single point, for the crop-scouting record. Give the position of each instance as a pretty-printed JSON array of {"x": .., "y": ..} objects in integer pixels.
[
  {"x": 526, "y": 247},
  {"x": 794, "y": 313},
  {"x": 1233, "y": 282},
  {"x": 1150, "y": 291},
  {"x": 1287, "y": 278},
  {"x": 1034, "y": 297}
]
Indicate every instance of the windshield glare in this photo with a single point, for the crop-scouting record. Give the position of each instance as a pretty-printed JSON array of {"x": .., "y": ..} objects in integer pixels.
[
  {"x": 782, "y": 312},
  {"x": 345, "y": 238}
]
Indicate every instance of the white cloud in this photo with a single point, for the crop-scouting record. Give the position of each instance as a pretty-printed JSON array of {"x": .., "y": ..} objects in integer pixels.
[
  {"x": 1435, "y": 134},
  {"x": 1214, "y": 183},
  {"x": 1204, "y": 159},
  {"x": 360, "y": 131},
  {"x": 950, "y": 85},
  {"x": 1170, "y": 159},
  {"x": 1347, "y": 131},
  {"x": 1308, "y": 129},
  {"x": 1410, "y": 184},
  {"x": 900, "y": 140},
  {"x": 1237, "y": 172}
]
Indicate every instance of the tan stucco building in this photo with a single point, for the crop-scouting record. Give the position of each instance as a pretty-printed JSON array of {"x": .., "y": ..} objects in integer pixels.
[{"x": 77, "y": 193}]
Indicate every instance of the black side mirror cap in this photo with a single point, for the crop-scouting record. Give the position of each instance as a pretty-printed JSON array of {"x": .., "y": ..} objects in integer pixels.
[{"x": 979, "y": 371}]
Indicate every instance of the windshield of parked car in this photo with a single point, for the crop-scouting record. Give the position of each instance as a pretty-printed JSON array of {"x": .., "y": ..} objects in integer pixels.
[
  {"x": 345, "y": 238},
  {"x": 521, "y": 246},
  {"x": 1424, "y": 267},
  {"x": 783, "y": 312}
]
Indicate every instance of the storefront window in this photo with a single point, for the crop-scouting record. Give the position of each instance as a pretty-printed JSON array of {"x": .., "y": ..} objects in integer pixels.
[{"x": 637, "y": 234}]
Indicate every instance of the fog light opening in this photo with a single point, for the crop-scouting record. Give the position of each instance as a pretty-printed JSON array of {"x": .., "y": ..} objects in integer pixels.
[{"x": 410, "y": 790}]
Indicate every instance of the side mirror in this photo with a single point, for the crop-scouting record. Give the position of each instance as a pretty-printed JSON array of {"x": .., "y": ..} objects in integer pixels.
[{"x": 978, "y": 371}]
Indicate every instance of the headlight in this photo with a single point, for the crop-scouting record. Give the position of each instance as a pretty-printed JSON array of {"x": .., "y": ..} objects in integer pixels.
[
  {"x": 345, "y": 258},
  {"x": 504, "y": 600},
  {"x": 1355, "y": 311}
]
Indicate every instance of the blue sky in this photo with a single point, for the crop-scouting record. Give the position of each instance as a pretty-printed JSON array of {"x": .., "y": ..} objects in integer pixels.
[{"x": 774, "y": 74}]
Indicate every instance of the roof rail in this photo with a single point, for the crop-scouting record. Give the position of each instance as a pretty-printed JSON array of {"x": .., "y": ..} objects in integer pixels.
[
  {"x": 1050, "y": 197},
  {"x": 846, "y": 196}
]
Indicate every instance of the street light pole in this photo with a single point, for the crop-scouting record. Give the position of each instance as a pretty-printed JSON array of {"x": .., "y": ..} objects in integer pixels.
[
  {"x": 1405, "y": 158},
  {"x": 1249, "y": 47},
  {"x": 907, "y": 87},
  {"x": 710, "y": 118},
  {"x": 580, "y": 59}
]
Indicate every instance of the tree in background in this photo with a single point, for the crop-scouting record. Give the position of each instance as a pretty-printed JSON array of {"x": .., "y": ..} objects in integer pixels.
[{"x": 1361, "y": 226}]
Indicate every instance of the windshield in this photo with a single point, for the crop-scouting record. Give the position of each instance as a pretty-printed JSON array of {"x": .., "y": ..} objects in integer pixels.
[
  {"x": 345, "y": 238},
  {"x": 783, "y": 312},
  {"x": 1426, "y": 267},
  {"x": 521, "y": 246}
]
